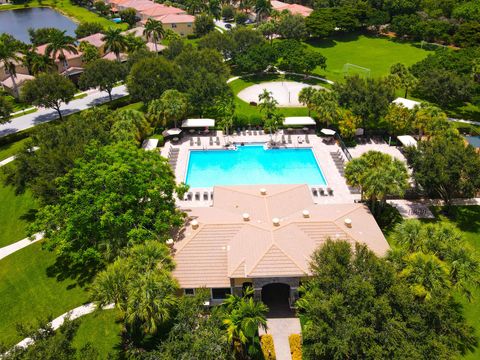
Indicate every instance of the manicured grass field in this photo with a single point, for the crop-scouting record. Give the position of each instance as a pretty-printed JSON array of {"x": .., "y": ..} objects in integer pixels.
[
  {"x": 102, "y": 330},
  {"x": 375, "y": 53},
  {"x": 27, "y": 293},
  {"x": 77, "y": 13},
  {"x": 14, "y": 211}
]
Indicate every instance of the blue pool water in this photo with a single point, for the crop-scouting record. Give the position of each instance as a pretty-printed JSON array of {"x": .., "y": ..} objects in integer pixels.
[{"x": 252, "y": 164}]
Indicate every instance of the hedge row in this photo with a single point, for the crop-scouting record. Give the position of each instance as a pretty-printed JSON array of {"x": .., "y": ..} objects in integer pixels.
[
  {"x": 295, "y": 341},
  {"x": 268, "y": 349}
]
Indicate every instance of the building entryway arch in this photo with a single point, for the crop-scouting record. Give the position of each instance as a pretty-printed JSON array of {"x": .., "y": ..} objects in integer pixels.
[{"x": 276, "y": 296}]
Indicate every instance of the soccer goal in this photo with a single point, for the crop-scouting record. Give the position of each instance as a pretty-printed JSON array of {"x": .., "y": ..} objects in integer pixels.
[{"x": 352, "y": 69}]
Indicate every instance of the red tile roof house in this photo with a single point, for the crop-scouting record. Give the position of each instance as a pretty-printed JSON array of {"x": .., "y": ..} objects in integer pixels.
[
  {"x": 264, "y": 236},
  {"x": 95, "y": 40},
  {"x": 70, "y": 66},
  {"x": 292, "y": 8}
]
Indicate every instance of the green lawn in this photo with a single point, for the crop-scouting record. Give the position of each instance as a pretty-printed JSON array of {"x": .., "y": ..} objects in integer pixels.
[
  {"x": 14, "y": 210},
  {"x": 27, "y": 293},
  {"x": 375, "y": 53},
  {"x": 77, "y": 13},
  {"x": 11, "y": 149},
  {"x": 102, "y": 329}
]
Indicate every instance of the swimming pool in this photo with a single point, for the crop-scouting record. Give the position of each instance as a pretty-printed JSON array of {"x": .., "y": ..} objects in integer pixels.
[{"x": 252, "y": 164}]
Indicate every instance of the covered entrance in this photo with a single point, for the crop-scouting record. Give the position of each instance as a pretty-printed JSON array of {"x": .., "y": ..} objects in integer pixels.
[{"x": 276, "y": 296}]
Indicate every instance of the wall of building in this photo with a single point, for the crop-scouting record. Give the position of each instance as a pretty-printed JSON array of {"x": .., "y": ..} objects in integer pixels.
[
  {"x": 19, "y": 68},
  {"x": 182, "y": 29}
]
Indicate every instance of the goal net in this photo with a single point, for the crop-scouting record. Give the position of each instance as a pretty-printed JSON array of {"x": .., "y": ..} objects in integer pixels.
[{"x": 352, "y": 69}]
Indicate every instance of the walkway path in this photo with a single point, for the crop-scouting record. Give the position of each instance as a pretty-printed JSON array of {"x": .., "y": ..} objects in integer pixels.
[
  {"x": 10, "y": 249},
  {"x": 72, "y": 315},
  {"x": 281, "y": 329},
  {"x": 94, "y": 98},
  {"x": 419, "y": 209}
]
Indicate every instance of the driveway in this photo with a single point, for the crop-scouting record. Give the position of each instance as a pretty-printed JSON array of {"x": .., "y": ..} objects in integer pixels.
[{"x": 41, "y": 116}]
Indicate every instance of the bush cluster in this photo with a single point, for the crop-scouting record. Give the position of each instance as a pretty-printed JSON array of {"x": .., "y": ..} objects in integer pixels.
[
  {"x": 268, "y": 350},
  {"x": 295, "y": 341}
]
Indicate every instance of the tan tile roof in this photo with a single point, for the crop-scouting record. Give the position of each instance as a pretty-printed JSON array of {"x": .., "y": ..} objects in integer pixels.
[
  {"x": 20, "y": 79},
  {"x": 292, "y": 8},
  {"x": 42, "y": 49},
  {"x": 160, "y": 10},
  {"x": 225, "y": 246},
  {"x": 94, "y": 39}
]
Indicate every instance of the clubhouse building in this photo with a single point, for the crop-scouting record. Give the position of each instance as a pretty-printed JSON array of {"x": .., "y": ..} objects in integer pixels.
[{"x": 263, "y": 236}]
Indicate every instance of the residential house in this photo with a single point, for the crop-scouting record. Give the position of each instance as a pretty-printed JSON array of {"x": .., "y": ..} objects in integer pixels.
[
  {"x": 95, "y": 40},
  {"x": 294, "y": 9}
]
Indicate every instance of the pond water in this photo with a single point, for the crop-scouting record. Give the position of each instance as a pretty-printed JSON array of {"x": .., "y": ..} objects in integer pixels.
[{"x": 17, "y": 22}]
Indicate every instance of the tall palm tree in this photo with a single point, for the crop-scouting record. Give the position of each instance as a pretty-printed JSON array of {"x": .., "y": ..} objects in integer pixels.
[
  {"x": 9, "y": 56},
  {"x": 262, "y": 8},
  {"x": 60, "y": 42},
  {"x": 325, "y": 104},
  {"x": 114, "y": 42},
  {"x": 214, "y": 9},
  {"x": 306, "y": 97},
  {"x": 35, "y": 62},
  {"x": 195, "y": 6},
  {"x": 154, "y": 30}
]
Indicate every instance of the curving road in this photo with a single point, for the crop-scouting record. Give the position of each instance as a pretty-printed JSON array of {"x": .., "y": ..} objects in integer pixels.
[{"x": 94, "y": 98}]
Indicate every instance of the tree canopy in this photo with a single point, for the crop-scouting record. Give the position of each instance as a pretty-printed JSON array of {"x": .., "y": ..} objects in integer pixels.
[
  {"x": 446, "y": 168},
  {"x": 115, "y": 196},
  {"x": 356, "y": 306}
]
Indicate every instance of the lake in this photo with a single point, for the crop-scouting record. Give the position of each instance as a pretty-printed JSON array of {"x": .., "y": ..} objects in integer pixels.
[{"x": 17, "y": 22}]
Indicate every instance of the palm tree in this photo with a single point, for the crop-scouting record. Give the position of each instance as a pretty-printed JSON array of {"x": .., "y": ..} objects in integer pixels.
[
  {"x": 195, "y": 6},
  {"x": 262, "y": 8},
  {"x": 59, "y": 43},
  {"x": 306, "y": 97},
  {"x": 154, "y": 30},
  {"x": 114, "y": 42},
  {"x": 151, "y": 301},
  {"x": 244, "y": 317},
  {"x": 409, "y": 235},
  {"x": 325, "y": 104},
  {"x": 214, "y": 9},
  {"x": 9, "y": 48},
  {"x": 171, "y": 107},
  {"x": 35, "y": 62},
  {"x": 426, "y": 274}
]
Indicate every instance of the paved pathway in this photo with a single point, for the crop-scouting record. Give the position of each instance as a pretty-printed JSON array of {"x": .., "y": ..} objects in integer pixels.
[
  {"x": 10, "y": 249},
  {"x": 72, "y": 315},
  {"x": 419, "y": 209},
  {"x": 281, "y": 329},
  {"x": 93, "y": 98}
]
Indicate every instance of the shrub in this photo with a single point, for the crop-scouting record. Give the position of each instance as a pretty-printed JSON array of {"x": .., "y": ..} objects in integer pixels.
[
  {"x": 295, "y": 341},
  {"x": 268, "y": 349}
]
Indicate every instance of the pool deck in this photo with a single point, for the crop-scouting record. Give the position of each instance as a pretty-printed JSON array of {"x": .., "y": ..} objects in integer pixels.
[{"x": 322, "y": 152}]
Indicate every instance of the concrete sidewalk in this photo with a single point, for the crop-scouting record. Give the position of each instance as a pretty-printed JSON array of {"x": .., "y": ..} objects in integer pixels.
[
  {"x": 10, "y": 249},
  {"x": 281, "y": 329},
  {"x": 94, "y": 98}
]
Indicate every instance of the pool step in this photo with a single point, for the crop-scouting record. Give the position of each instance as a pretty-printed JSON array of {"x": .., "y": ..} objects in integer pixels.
[{"x": 173, "y": 157}]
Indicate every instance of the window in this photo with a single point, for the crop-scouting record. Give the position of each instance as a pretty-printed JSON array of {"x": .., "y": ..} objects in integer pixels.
[
  {"x": 65, "y": 63},
  {"x": 189, "y": 25},
  {"x": 189, "y": 292},
  {"x": 221, "y": 293},
  {"x": 174, "y": 26}
]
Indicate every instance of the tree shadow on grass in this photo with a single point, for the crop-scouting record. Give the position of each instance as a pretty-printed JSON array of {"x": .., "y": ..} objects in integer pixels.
[
  {"x": 467, "y": 218},
  {"x": 29, "y": 216},
  {"x": 333, "y": 40},
  {"x": 81, "y": 274}
]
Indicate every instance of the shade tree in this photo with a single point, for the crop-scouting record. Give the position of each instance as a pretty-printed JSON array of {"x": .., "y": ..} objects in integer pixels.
[
  {"x": 6, "y": 108},
  {"x": 348, "y": 124},
  {"x": 104, "y": 74},
  {"x": 402, "y": 78},
  {"x": 444, "y": 167},
  {"x": 150, "y": 77},
  {"x": 49, "y": 90},
  {"x": 85, "y": 29},
  {"x": 114, "y": 196},
  {"x": 399, "y": 119},
  {"x": 203, "y": 24}
]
